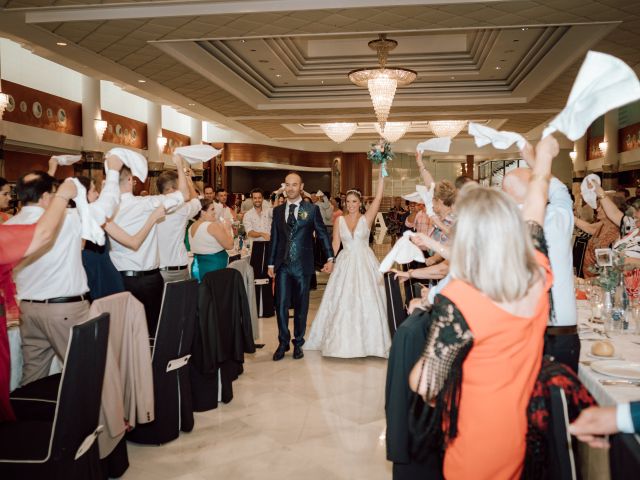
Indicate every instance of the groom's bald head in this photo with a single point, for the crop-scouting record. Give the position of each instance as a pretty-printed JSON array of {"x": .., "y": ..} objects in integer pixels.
[{"x": 293, "y": 186}]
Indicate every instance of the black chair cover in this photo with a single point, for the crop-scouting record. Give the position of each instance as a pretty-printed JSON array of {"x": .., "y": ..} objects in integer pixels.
[
  {"x": 264, "y": 284},
  {"x": 171, "y": 389},
  {"x": 47, "y": 449},
  {"x": 562, "y": 465},
  {"x": 624, "y": 456},
  {"x": 395, "y": 309}
]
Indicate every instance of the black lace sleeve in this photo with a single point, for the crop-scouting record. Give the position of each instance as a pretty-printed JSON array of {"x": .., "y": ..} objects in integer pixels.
[
  {"x": 448, "y": 342},
  {"x": 537, "y": 236}
]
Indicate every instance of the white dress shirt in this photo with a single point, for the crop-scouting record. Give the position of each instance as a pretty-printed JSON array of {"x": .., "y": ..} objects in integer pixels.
[
  {"x": 171, "y": 231},
  {"x": 58, "y": 272},
  {"x": 295, "y": 205},
  {"x": 131, "y": 216},
  {"x": 624, "y": 420},
  {"x": 558, "y": 232},
  {"x": 258, "y": 222}
]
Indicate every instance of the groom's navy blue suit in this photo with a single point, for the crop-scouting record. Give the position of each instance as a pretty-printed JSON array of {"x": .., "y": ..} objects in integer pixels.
[{"x": 292, "y": 258}]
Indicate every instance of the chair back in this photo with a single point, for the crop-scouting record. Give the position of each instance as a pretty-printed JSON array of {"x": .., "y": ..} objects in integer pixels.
[
  {"x": 396, "y": 313},
  {"x": 79, "y": 395},
  {"x": 563, "y": 464}
]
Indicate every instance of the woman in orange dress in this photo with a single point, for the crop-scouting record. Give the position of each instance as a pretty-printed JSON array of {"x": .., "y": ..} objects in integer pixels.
[{"x": 484, "y": 347}]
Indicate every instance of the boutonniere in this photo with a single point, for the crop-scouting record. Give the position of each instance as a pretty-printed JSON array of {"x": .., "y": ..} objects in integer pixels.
[{"x": 302, "y": 214}]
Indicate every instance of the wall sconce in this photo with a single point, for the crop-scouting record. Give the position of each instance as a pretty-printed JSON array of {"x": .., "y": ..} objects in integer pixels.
[
  {"x": 603, "y": 147},
  {"x": 162, "y": 142},
  {"x": 100, "y": 126},
  {"x": 4, "y": 101},
  {"x": 573, "y": 155}
]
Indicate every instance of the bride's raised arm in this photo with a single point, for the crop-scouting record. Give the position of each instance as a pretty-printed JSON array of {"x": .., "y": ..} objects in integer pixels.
[{"x": 370, "y": 214}]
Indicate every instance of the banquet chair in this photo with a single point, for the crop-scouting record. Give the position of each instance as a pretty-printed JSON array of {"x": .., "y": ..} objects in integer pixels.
[
  {"x": 396, "y": 313},
  {"x": 62, "y": 447},
  {"x": 563, "y": 465},
  {"x": 169, "y": 360}
]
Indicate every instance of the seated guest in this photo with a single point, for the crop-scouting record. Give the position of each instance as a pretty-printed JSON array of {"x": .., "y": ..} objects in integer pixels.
[
  {"x": 484, "y": 346},
  {"x": 18, "y": 242},
  {"x": 210, "y": 238},
  {"x": 52, "y": 287},
  {"x": 209, "y": 193},
  {"x": 603, "y": 234},
  {"x": 5, "y": 199},
  {"x": 594, "y": 423},
  {"x": 171, "y": 248}
]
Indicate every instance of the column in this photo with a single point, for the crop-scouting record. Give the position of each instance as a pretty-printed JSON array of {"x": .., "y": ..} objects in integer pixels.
[
  {"x": 154, "y": 131},
  {"x": 579, "y": 165},
  {"x": 196, "y": 131},
  {"x": 611, "y": 159},
  {"x": 92, "y": 156},
  {"x": 470, "y": 169}
]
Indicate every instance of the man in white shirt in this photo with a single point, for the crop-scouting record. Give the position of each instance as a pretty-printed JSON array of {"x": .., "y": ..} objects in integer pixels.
[
  {"x": 227, "y": 213},
  {"x": 257, "y": 224},
  {"x": 52, "y": 285},
  {"x": 561, "y": 338},
  {"x": 171, "y": 230},
  {"x": 140, "y": 268}
]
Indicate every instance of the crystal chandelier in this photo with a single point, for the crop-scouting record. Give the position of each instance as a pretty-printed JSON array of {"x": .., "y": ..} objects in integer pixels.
[
  {"x": 382, "y": 82},
  {"x": 392, "y": 131},
  {"x": 340, "y": 131},
  {"x": 447, "y": 128}
]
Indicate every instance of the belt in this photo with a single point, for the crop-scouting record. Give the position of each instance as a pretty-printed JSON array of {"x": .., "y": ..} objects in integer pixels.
[
  {"x": 173, "y": 269},
  {"x": 144, "y": 273},
  {"x": 77, "y": 298},
  {"x": 569, "y": 330}
]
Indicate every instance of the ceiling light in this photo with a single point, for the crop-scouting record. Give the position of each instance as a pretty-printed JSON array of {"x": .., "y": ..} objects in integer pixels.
[
  {"x": 243, "y": 41},
  {"x": 524, "y": 29},
  {"x": 447, "y": 128},
  {"x": 340, "y": 131},
  {"x": 278, "y": 75},
  {"x": 382, "y": 82},
  {"x": 61, "y": 44},
  {"x": 4, "y": 101},
  {"x": 392, "y": 131},
  {"x": 142, "y": 81},
  {"x": 498, "y": 68},
  {"x": 191, "y": 104}
]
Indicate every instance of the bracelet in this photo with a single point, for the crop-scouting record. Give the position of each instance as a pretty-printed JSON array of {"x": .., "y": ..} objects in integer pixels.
[
  {"x": 602, "y": 196},
  {"x": 544, "y": 177}
]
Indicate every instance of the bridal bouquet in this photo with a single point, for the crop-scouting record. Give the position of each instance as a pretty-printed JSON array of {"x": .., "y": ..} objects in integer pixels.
[{"x": 380, "y": 153}]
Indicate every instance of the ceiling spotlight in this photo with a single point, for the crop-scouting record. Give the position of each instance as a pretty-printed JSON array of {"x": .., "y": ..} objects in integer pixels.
[
  {"x": 61, "y": 44},
  {"x": 142, "y": 81},
  {"x": 498, "y": 68},
  {"x": 191, "y": 104},
  {"x": 278, "y": 75},
  {"x": 524, "y": 29},
  {"x": 243, "y": 41}
]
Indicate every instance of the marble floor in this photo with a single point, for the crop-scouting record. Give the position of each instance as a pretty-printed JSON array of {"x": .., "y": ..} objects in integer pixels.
[{"x": 315, "y": 418}]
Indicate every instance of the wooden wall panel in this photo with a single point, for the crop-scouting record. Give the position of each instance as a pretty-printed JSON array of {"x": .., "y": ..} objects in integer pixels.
[
  {"x": 42, "y": 110},
  {"x": 629, "y": 138},
  {"x": 124, "y": 131},
  {"x": 174, "y": 140},
  {"x": 356, "y": 172},
  {"x": 244, "y": 152},
  {"x": 19, "y": 163}
]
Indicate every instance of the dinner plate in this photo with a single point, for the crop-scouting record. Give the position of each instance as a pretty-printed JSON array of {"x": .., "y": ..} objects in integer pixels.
[{"x": 618, "y": 369}]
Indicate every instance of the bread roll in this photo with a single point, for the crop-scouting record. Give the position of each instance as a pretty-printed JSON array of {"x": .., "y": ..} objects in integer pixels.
[{"x": 603, "y": 349}]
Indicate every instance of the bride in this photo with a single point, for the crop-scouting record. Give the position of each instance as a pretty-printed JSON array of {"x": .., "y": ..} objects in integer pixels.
[{"x": 351, "y": 321}]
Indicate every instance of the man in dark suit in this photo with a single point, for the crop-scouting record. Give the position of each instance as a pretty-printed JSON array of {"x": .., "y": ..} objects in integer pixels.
[
  {"x": 291, "y": 262},
  {"x": 595, "y": 422}
]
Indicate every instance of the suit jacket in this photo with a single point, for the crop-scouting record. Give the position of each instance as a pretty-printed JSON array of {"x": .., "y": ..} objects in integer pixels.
[
  {"x": 635, "y": 415},
  {"x": 246, "y": 271},
  {"x": 295, "y": 245}
]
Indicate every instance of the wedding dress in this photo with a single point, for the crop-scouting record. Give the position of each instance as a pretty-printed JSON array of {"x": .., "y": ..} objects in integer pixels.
[{"x": 351, "y": 321}]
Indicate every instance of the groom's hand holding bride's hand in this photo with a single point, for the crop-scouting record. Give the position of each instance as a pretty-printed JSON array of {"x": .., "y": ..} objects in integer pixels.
[
  {"x": 328, "y": 267},
  {"x": 271, "y": 273}
]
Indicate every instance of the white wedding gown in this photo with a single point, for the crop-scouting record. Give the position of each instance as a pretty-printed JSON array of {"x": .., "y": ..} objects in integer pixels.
[{"x": 352, "y": 318}]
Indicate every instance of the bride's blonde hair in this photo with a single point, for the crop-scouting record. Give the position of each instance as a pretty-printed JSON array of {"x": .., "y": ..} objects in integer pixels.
[{"x": 492, "y": 248}]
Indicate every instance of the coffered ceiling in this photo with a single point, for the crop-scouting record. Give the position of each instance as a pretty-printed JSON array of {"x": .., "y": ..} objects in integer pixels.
[{"x": 271, "y": 68}]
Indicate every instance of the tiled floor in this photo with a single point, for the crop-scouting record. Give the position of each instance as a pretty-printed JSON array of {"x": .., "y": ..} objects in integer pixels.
[{"x": 315, "y": 418}]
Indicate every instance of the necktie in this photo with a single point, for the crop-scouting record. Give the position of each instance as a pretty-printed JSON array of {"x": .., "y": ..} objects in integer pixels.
[{"x": 291, "y": 220}]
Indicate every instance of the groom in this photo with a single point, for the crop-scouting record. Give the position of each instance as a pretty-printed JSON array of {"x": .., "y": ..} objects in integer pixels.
[{"x": 291, "y": 262}]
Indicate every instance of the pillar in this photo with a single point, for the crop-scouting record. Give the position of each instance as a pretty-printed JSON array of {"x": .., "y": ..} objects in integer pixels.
[
  {"x": 469, "y": 169},
  {"x": 196, "y": 131},
  {"x": 154, "y": 131},
  {"x": 611, "y": 158},
  {"x": 92, "y": 161}
]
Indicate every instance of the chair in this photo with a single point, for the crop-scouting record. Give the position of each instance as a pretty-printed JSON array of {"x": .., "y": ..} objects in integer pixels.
[
  {"x": 396, "y": 313},
  {"x": 61, "y": 447},
  {"x": 170, "y": 356},
  {"x": 562, "y": 465}
]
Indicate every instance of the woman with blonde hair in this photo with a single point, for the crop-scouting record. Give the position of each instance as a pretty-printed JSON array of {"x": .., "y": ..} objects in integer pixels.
[{"x": 484, "y": 346}]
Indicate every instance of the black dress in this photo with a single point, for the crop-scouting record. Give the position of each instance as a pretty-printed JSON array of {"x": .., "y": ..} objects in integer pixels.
[{"x": 102, "y": 276}]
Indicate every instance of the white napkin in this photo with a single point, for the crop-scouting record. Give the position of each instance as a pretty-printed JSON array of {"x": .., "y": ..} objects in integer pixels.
[
  {"x": 319, "y": 193},
  {"x": 439, "y": 144},
  {"x": 413, "y": 197},
  {"x": 197, "y": 153},
  {"x": 427, "y": 197},
  {"x": 589, "y": 194},
  {"x": 499, "y": 139},
  {"x": 136, "y": 162},
  {"x": 604, "y": 82},
  {"x": 66, "y": 159},
  {"x": 90, "y": 229},
  {"x": 404, "y": 251}
]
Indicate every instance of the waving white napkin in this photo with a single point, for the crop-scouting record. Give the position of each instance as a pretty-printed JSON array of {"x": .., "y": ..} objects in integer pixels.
[
  {"x": 90, "y": 229},
  {"x": 589, "y": 194},
  {"x": 413, "y": 197},
  {"x": 319, "y": 193},
  {"x": 197, "y": 153},
  {"x": 136, "y": 162},
  {"x": 427, "y": 197},
  {"x": 439, "y": 144},
  {"x": 404, "y": 251},
  {"x": 501, "y": 140},
  {"x": 66, "y": 159},
  {"x": 604, "y": 82}
]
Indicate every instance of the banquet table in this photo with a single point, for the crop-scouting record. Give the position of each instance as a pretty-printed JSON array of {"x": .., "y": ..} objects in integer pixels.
[{"x": 627, "y": 347}]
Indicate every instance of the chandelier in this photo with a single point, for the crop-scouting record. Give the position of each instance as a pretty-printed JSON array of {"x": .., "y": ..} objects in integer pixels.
[
  {"x": 382, "y": 82},
  {"x": 447, "y": 128},
  {"x": 340, "y": 131},
  {"x": 392, "y": 131}
]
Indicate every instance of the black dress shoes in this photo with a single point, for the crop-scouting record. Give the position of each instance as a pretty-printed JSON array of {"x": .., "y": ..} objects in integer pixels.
[
  {"x": 279, "y": 353},
  {"x": 297, "y": 353}
]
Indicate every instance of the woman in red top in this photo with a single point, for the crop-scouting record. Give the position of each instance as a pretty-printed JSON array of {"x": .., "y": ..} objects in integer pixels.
[{"x": 16, "y": 243}]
